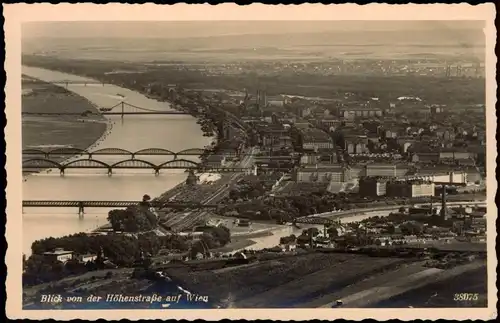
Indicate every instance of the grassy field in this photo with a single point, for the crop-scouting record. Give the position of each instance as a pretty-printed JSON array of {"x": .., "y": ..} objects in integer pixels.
[
  {"x": 308, "y": 280},
  {"x": 284, "y": 281},
  {"x": 46, "y": 131},
  {"x": 440, "y": 291}
]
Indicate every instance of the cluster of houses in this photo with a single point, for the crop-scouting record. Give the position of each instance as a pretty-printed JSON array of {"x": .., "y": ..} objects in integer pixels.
[
  {"x": 464, "y": 224},
  {"x": 61, "y": 255}
]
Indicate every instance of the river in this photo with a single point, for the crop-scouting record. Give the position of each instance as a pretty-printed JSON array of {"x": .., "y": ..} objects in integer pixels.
[{"x": 176, "y": 132}]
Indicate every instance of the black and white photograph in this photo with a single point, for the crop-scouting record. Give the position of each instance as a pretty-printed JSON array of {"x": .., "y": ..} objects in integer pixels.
[{"x": 254, "y": 164}]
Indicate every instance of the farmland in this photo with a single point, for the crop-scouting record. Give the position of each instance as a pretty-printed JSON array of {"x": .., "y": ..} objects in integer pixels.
[{"x": 285, "y": 281}]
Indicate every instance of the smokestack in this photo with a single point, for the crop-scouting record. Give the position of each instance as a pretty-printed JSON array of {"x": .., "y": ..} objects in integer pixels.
[{"x": 443, "y": 204}]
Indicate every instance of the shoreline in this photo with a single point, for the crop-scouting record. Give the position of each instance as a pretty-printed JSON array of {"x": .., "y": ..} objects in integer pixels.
[{"x": 96, "y": 117}]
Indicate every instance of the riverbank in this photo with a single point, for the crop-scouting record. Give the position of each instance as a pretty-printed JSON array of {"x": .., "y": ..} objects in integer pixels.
[{"x": 49, "y": 132}]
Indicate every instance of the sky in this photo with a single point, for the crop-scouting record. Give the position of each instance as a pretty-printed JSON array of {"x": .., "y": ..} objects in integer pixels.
[{"x": 193, "y": 29}]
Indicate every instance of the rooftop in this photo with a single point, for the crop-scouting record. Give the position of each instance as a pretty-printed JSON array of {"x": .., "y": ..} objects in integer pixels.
[{"x": 58, "y": 251}]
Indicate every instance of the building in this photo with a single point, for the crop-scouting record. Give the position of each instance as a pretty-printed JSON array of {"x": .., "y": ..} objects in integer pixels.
[
  {"x": 59, "y": 254},
  {"x": 356, "y": 144},
  {"x": 453, "y": 178},
  {"x": 274, "y": 135},
  {"x": 362, "y": 111},
  {"x": 410, "y": 188},
  {"x": 316, "y": 140},
  {"x": 323, "y": 174},
  {"x": 425, "y": 157},
  {"x": 456, "y": 154},
  {"x": 372, "y": 186},
  {"x": 87, "y": 258},
  {"x": 330, "y": 122},
  {"x": 386, "y": 170},
  {"x": 405, "y": 142},
  {"x": 309, "y": 159}
]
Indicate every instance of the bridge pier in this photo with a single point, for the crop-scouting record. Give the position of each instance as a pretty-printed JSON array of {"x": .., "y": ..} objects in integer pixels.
[
  {"x": 61, "y": 172},
  {"x": 110, "y": 172},
  {"x": 157, "y": 172},
  {"x": 81, "y": 210}
]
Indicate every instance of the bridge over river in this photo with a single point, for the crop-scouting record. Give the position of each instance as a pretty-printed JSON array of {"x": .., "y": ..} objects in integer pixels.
[
  {"x": 81, "y": 205},
  {"x": 120, "y": 109},
  {"x": 37, "y": 164},
  {"x": 70, "y": 151}
]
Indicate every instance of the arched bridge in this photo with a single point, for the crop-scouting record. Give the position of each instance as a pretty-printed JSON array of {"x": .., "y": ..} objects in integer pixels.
[
  {"x": 70, "y": 151},
  {"x": 40, "y": 163},
  {"x": 120, "y": 109}
]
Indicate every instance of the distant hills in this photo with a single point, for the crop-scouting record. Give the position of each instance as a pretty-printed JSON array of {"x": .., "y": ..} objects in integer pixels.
[{"x": 278, "y": 38}]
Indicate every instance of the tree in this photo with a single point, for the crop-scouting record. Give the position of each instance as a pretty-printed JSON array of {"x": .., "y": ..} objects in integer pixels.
[
  {"x": 132, "y": 219},
  {"x": 115, "y": 219},
  {"x": 411, "y": 228},
  {"x": 391, "y": 229}
]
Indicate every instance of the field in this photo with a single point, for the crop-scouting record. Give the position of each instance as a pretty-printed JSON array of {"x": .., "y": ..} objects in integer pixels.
[
  {"x": 314, "y": 280},
  {"x": 46, "y": 131},
  {"x": 285, "y": 281},
  {"x": 307, "y": 280},
  {"x": 440, "y": 293}
]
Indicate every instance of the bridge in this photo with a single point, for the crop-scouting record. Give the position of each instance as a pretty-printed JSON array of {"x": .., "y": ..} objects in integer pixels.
[
  {"x": 38, "y": 164},
  {"x": 120, "y": 109},
  {"x": 70, "y": 151},
  {"x": 65, "y": 82},
  {"x": 81, "y": 205},
  {"x": 332, "y": 218}
]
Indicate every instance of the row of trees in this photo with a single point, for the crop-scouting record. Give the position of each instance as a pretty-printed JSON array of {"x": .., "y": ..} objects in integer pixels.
[
  {"x": 289, "y": 207},
  {"x": 122, "y": 250}
]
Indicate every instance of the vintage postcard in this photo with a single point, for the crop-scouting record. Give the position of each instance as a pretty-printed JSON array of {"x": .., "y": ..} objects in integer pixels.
[{"x": 211, "y": 162}]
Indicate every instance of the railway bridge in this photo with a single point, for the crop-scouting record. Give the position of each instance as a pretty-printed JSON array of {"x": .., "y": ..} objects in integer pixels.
[
  {"x": 81, "y": 205},
  {"x": 37, "y": 164},
  {"x": 70, "y": 151}
]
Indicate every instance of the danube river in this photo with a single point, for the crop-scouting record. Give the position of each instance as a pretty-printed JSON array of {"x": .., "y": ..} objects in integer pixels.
[{"x": 176, "y": 132}]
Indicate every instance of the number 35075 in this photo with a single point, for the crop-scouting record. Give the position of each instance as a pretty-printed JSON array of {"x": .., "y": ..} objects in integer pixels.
[{"x": 465, "y": 297}]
